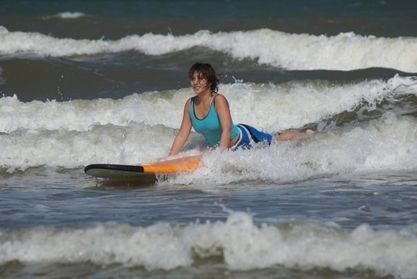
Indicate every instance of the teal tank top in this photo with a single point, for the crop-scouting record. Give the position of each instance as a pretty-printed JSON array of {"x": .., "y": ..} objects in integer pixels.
[{"x": 210, "y": 126}]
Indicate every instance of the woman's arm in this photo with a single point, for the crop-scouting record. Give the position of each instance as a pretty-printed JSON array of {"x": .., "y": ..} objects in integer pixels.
[
  {"x": 183, "y": 133},
  {"x": 223, "y": 111}
]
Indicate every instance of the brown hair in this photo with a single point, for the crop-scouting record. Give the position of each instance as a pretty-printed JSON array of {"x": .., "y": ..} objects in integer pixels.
[{"x": 206, "y": 71}]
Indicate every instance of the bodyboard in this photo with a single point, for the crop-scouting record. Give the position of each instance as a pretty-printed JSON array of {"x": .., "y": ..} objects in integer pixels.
[{"x": 166, "y": 167}]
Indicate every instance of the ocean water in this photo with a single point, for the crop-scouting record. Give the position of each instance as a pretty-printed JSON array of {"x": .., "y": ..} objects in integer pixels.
[{"x": 86, "y": 82}]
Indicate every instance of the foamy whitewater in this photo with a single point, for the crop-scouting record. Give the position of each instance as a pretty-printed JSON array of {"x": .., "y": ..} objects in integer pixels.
[
  {"x": 346, "y": 51},
  {"x": 77, "y": 130},
  {"x": 238, "y": 242},
  {"x": 105, "y": 82},
  {"x": 294, "y": 104},
  {"x": 66, "y": 15}
]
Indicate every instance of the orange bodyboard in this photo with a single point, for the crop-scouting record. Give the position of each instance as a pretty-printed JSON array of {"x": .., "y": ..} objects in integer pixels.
[
  {"x": 173, "y": 166},
  {"x": 184, "y": 164}
]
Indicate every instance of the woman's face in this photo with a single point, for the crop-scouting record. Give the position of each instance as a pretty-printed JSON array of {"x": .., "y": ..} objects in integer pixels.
[{"x": 199, "y": 83}]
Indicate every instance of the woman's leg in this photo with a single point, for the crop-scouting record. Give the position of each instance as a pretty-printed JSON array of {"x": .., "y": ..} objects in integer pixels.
[{"x": 291, "y": 135}]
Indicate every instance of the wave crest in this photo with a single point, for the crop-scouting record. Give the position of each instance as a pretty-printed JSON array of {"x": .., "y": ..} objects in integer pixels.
[
  {"x": 243, "y": 245},
  {"x": 345, "y": 51}
]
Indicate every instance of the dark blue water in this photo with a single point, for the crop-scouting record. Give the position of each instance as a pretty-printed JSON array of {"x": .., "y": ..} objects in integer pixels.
[{"x": 114, "y": 19}]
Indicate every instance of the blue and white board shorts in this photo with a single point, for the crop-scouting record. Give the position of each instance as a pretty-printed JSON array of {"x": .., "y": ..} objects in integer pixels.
[{"x": 248, "y": 136}]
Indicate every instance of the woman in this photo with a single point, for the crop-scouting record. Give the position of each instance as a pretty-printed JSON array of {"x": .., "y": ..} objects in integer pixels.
[{"x": 209, "y": 114}]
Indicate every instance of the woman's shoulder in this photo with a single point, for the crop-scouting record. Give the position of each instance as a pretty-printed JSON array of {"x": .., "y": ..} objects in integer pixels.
[
  {"x": 188, "y": 103},
  {"x": 189, "y": 100},
  {"x": 219, "y": 98},
  {"x": 220, "y": 102}
]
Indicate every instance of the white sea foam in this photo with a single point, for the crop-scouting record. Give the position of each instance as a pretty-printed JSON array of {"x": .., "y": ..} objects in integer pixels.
[
  {"x": 266, "y": 106},
  {"x": 3, "y": 30},
  {"x": 66, "y": 15},
  {"x": 345, "y": 51},
  {"x": 69, "y": 149},
  {"x": 80, "y": 132},
  {"x": 389, "y": 143},
  {"x": 242, "y": 244},
  {"x": 82, "y": 115}
]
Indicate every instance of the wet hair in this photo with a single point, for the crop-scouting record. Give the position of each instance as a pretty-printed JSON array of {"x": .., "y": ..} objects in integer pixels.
[{"x": 207, "y": 72}]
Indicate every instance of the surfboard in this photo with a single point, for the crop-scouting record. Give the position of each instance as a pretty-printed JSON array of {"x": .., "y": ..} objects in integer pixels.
[{"x": 166, "y": 167}]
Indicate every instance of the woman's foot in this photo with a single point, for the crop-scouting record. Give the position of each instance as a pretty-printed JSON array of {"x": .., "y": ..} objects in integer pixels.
[{"x": 309, "y": 131}]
